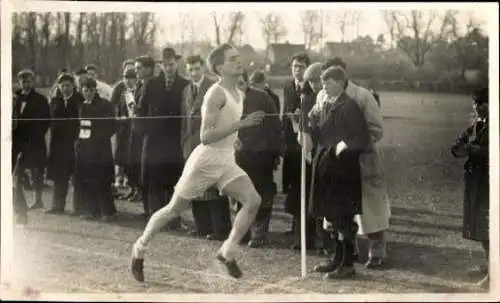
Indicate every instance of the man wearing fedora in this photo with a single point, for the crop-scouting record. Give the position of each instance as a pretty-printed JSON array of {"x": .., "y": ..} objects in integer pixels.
[{"x": 162, "y": 158}]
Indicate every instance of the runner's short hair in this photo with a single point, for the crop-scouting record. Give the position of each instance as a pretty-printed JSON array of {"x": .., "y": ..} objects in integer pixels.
[{"x": 217, "y": 57}]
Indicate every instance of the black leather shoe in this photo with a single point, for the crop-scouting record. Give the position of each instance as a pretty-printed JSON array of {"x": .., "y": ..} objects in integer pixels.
[{"x": 137, "y": 267}]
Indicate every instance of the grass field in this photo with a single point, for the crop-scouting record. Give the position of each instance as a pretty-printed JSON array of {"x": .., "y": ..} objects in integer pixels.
[{"x": 426, "y": 252}]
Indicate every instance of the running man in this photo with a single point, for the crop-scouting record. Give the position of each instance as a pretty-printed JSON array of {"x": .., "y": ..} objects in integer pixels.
[{"x": 213, "y": 162}]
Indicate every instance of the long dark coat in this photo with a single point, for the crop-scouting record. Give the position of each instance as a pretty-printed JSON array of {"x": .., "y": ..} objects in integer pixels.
[
  {"x": 28, "y": 136},
  {"x": 336, "y": 181},
  {"x": 477, "y": 184},
  {"x": 292, "y": 152},
  {"x": 94, "y": 158},
  {"x": 161, "y": 149},
  {"x": 261, "y": 144},
  {"x": 63, "y": 135},
  {"x": 123, "y": 132},
  {"x": 117, "y": 92}
]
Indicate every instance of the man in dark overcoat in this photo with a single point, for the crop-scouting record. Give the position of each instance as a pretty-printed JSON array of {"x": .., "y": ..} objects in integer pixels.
[
  {"x": 211, "y": 211},
  {"x": 29, "y": 150},
  {"x": 474, "y": 144},
  {"x": 148, "y": 89},
  {"x": 63, "y": 134},
  {"x": 94, "y": 172},
  {"x": 258, "y": 155},
  {"x": 162, "y": 153}
]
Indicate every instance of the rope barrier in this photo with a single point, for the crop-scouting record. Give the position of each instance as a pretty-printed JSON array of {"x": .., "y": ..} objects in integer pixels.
[{"x": 121, "y": 118}]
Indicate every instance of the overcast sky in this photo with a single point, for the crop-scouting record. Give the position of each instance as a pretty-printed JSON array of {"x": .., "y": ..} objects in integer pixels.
[
  {"x": 371, "y": 23},
  {"x": 168, "y": 15}
]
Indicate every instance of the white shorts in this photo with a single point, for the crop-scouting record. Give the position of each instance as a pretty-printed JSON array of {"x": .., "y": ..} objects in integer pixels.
[{"x": 205, "y": 167}]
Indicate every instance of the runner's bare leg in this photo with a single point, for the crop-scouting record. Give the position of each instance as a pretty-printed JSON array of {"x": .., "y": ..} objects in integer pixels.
[{"x": 242, "y": 190}]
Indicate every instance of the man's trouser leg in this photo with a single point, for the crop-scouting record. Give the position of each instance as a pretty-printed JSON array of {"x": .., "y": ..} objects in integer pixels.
[
  {"x": 310, "y": 233},
  {"x": 107, "y": 200},
  {"x": 20, "y": 205},
  {"x": 38, "y": 179},
  {"x": 325, "y": 237},
  {"x": 202, "y": 217},
  {"x": 78, "y": 196},
  {"x": 220, "y": 216},
  {"x": 60, "y": 193},
  {"x": 260, "y": 227},
  {"x": 90, "y": 197}
]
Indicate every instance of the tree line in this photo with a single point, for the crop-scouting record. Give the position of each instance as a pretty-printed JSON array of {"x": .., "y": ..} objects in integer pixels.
[{"x": 416, "y": 44}]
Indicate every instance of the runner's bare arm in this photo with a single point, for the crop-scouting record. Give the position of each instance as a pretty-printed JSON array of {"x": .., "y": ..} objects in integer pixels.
[{"x": 212, "y": 104}]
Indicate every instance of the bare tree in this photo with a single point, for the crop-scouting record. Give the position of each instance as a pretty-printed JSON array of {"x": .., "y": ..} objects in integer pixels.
[
  {"x": 184, "y": 21},
  {"x": 467, "y": 45},
  {"x": 45, "y": 42},
  {"x": 414, "y": 33},
  {"x": 217, "y": 20},
  {"x": 311, "y": 23},
  {"x": 273, "y": 29},
  {"x": 347, "y": 19},
  {"x": 235, "y": 26},
  {"x": 143, "y": 30},
  {"x": 356, "y": 17},
  {"x": 232, "y": 28}
]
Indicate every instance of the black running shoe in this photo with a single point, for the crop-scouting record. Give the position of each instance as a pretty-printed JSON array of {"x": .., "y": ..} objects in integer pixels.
[
  {"x": 138, "y": 269},
  {"x": 232, "y": 267}
]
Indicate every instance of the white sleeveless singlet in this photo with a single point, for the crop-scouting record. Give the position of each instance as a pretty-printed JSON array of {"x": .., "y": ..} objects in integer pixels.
[{"x": 230, "y": 113}]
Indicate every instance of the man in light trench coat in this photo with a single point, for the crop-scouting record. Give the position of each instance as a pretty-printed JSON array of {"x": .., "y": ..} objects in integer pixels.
[{"x": 374, "y": 221}]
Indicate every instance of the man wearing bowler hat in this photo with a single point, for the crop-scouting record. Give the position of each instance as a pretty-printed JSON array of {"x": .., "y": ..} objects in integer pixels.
[{"x": 163, "y": 161}]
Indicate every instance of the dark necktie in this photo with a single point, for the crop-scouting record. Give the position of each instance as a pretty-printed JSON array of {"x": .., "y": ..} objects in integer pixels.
[{"x": 195, "y": 91}]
